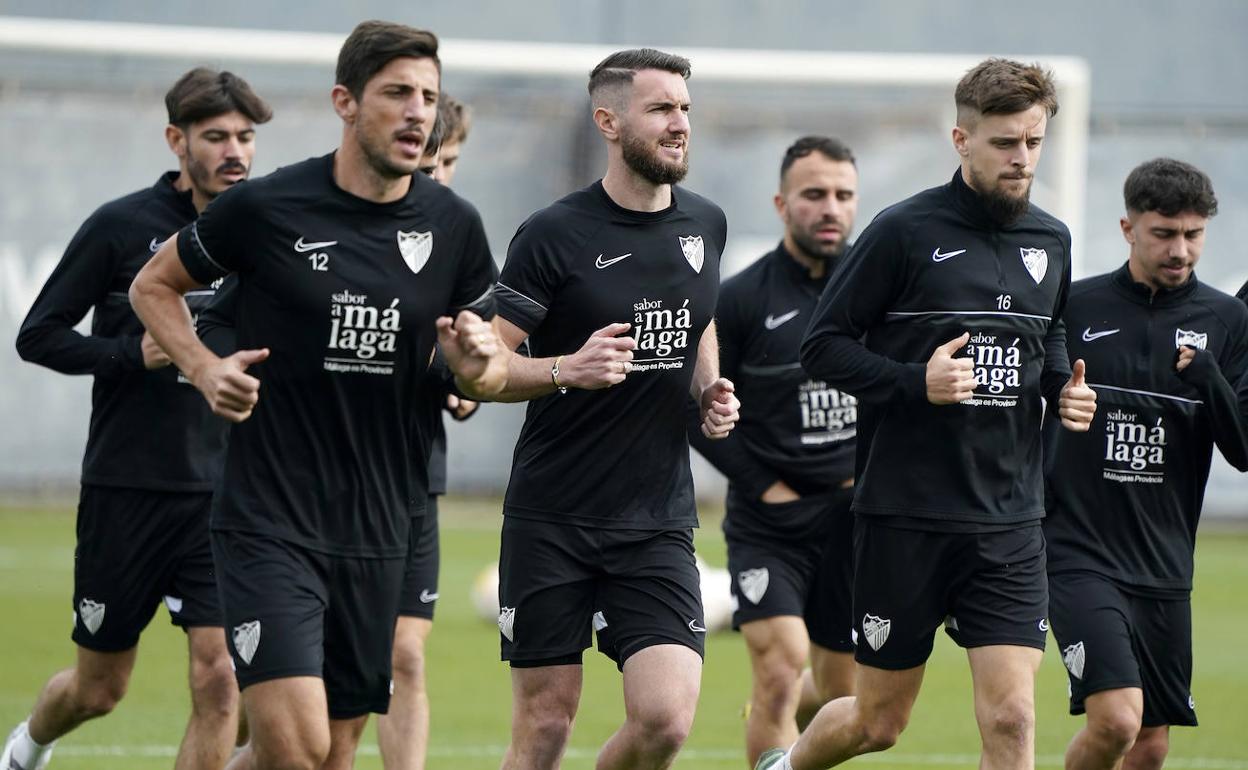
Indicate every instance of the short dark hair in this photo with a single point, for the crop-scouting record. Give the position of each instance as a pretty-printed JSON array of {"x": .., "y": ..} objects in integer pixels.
[
  {"x": 619, "y": 68},
  {"x": 1004, "y": 87},
  {"x": 829, "y": 147},
  {"x": 374, "y": 44},
  {"x": 458, "y": 118},
  {"x": 440, "y": 134},
  {"x": 205, "y": 93},
  {"x": 1169, "y": 187}
]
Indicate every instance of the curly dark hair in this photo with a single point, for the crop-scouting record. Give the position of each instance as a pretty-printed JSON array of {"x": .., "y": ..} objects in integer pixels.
[{"x": 1169, "y": 187}]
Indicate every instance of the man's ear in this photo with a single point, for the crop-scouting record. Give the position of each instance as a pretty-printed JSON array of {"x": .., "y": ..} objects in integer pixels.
[
  {"x": 176, "y": 138},
  {"x": 960, "y": 139},
  {"x": 344, "y": 103},
  {"x": 608, "y": 122}
]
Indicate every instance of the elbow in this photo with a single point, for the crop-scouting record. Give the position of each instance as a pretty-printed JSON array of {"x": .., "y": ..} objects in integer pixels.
[{"x": 28, "y": 344}]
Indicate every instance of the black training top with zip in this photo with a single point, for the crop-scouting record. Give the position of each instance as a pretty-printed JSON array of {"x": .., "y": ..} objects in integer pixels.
[
  {"x": 1124, "y": 498},
  {"x": 922, "y": 273},
  {"x": 795, "y": 427},
  {"x": 150, "y": 429},
  {"x": 344, "y": 292},
  {"x": 615, "y": 458}
]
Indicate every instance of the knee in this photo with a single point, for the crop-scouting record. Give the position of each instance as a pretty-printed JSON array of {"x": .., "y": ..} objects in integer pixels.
[
  {"x": 548, "y": 729},
  {"x": 213, "y": 687},
  {"x": 664, "y": 730},
  {"x": 409, "y": 660},
  {"x": 1116, "y": 731},
  {"x": 292, "y": 755},
  {"x": 1012, "y": 721},
  {"x": 777, "y": 687},
  {"x": 97, "y": 697},
  {"x": 1150, "y": 750},
  {"x": 879, "y": 731}
]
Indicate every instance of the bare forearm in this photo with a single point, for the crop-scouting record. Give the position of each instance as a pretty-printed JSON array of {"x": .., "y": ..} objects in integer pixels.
[
  {"x": 490, "y": 385},
  {"x": 528, "y": 378},
  {"x": 706, "y": 370},
  {"x": 164, "y": 314}
]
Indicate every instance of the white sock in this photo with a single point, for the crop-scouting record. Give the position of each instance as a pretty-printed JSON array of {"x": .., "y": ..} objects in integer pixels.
[
  {"x": 785, "y": 764},
  {"x": 25, "y": 750}
]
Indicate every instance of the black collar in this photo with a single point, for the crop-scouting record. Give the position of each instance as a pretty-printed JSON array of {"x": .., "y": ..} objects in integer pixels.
[{"x": 1143, "y": 294}]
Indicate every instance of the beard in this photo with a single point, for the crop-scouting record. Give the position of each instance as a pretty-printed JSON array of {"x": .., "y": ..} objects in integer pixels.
[
  {"x": 204, "y": 180},
  {"x": 645, "y": 162},
  {"x": 816, "y": 249},
  {"x": 1004, "y": 208},
  {"x": 376, "y": 154}
]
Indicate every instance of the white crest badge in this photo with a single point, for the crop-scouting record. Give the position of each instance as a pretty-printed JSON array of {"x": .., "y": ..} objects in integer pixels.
[
  {"x": 691, "y": 245},
  {"x": 415, "y": 248},
  {"x": 1197, "y": 340},
  {"x": 1036, "y": 261},
  {"x": 753, "y": 583},
  {"x": 1074, "y": 657},
  {"x": 599, "y": 621},
  {"x": 247, "y": 640},
  {"x": 876, "y": 630},
  {"x": 91, "y": 613},
  {"x": 507, "y": 622},
  {"x": 174, "y": 603}
]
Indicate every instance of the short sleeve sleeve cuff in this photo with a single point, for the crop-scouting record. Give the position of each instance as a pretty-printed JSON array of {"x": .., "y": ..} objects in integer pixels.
[{"x": 199, "y": 263}]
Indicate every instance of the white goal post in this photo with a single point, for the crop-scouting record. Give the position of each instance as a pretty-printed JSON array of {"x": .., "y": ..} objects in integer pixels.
[{"x": 1066, "y": 167}]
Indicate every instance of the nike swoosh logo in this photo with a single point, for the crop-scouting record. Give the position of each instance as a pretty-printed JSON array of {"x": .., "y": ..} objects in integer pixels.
[
  {"x": 426, "y": 597},
  {"x": 775, "y": 322},
  {"x": 695, "y": 627},
  {"x": 154, "y": 246},
  {"x": 301, "y": 247},
  {"x": 938, "y": 257},
  {"x": 1089, "y": 336},
  {"x": 601, "y": 263}
]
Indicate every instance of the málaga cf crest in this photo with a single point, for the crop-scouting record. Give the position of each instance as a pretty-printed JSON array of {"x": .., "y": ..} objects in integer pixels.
[
  {"x": 1183, "y": 337},
  {"x": 1036, "y": 261},
  {"x": 415, "y": 248},
  {"x": 691, "y": 245}
]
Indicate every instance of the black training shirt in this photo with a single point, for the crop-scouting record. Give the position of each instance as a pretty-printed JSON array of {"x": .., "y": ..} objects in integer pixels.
[
  {"x": 615, "y": 458},
  {"x": 150, "y": 429},
  {"x": 794, "y": 427},
  {"x": 344, "y": 292},
  {"x": 1125, "y": 498},
  {"x": 925, "y": 271}
]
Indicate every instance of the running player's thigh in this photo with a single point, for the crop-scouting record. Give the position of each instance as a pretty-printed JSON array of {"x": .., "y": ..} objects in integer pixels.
[
  {"x": 1000, "y": 592},
  {"x": 1162, "y": 631},
  {"x": 359, "y": 634},
  {"x": 1091, "y": 622}
]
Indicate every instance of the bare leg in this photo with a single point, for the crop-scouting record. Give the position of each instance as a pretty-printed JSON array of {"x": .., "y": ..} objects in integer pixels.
[
  {"x": 870, "y": 721},
  {"x": 289, "y": 725},
  {"x": 661, "y": 686},
  {"x": 213, "y": 725},
  {"x": 543, "y": 705},
  {"x": 403, "y": 733},
  {"x": 1005, "y": 708},
  {"x": 1113, "y": 722},
  {"x": 778, "y": 648},
  {"x": 1150, "y": 749},
  {"x": 91, "y": 688},
  {"x": 344, "y": 738}
]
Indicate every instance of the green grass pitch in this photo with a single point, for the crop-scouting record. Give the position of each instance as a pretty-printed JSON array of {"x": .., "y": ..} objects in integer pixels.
[{"x": 470, "y": 688}]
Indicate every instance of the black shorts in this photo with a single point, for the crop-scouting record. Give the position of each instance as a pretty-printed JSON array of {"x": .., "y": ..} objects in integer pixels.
[
  {"x": 987, "y": 588},
  {"x": 420, "y": 577},
  {"x": 1111, "y": 639},
  {"x": 137, "y": 547},
  {"x": 811, "y": 578},
  {"x": 636, "y": 588},
  {"x": 294, "y": 612}
]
